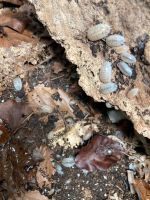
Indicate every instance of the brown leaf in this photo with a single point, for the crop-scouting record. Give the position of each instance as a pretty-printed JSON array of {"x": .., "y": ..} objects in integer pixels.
[
  {"x": 4, "y": 133},
  {"x": 57, "y": 67},
  {"x": 14, "y": 113},
  {"x": 16, "y": 21},
  {"x": 45, "y": 169},
  {"x": 142, "y": 188},
  {"x": 40, "y": 99},
  {"x": 101, "y": 153},
  {"x": 13, "y": 38},
  {"x": 16, "y": 2},
  {"x": 45, "y": 100}
]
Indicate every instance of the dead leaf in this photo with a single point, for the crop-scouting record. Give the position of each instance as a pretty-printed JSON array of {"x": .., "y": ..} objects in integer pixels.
[
  {"x": 45, "y": 169},
  {"x": 45, "y": 100},
  {"x": 16, "y": 2},
  {"x": 142, "y": 188},
  {"x": 31, "y": 195},
  {"x": 40, "y": 99},
  {"x": 4, "y": 133},
  {"x": 16, "y": 21},
  {"x": 57, "y": 67},
  {"x": 100, "y": 153},
  {"x": 14, "y": 113}
]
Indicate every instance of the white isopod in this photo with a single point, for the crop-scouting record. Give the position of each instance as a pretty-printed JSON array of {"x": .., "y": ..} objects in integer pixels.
[
  {"x": 105, "y": 72},
  {"x": 108, "y": 88},
  {"x": 125, "y": 69},
  {"x": 98, "y": 32},
  {"x": 132, "y": 93},
  {"x": 121, "y": 49},
  {"x": 128, "y": 58},
  {"x": 115, "y": 40},
  {"x": 17, "y": 82}
]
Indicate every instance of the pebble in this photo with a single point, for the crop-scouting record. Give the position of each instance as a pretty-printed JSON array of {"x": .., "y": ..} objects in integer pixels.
[{"x": 17, "y": 82}]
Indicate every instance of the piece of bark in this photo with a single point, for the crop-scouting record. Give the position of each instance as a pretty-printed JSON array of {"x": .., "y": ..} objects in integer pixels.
[{"x": 67, "y": 23}]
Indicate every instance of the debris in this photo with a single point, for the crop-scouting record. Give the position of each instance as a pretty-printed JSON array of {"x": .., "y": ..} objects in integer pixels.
[
  {"x": 40, "y": 99},
  {"x": 68, "y": 162},
  {"x": 101, "y": 153},
  {"x": 79, "y": 132},
  {"x": 57, "y": 67},
  {"x": 15, "y": 21},
  {"x": 45, "y": 169},
  {"x": 114, "y": 197},
  {"x": 14, "y": 113},
  {"x": 17, "y": 83},
  {"x": 131, "y": 180},
  {"x": 37, "y": 155},
  {"x": 45, "y": 100},
  {"x": 142, "y": 188}
]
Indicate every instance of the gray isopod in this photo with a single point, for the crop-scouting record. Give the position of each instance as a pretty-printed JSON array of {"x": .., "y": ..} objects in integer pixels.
[
  {"x": 128, "y": 58},
  {"x": 108, "y": 88},
  {"x": 98, "y": 32},
  {"x": 125, "y": 69},
  {"x": 115, "y": 40},
  {"x": 106, "y": 72},
  {"x": 133, "y": 92}
]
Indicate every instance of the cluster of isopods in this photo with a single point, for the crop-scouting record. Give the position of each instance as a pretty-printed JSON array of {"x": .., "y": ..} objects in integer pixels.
[{"x": 102, "y": 31}]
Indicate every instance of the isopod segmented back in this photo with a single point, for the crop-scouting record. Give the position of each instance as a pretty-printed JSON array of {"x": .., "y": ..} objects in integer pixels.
[
  {"x": 108, "y": 88},
  {"x": 98, "y": 32},
  {"x": 128, "y": 58},
  {"x": 106, "y": 72},
  {"x": 115, "y": 40},
  {"x": 125, "y": 69}
]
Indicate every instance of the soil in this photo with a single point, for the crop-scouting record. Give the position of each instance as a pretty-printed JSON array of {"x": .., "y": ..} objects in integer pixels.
[{"x": 74, "y": 184}]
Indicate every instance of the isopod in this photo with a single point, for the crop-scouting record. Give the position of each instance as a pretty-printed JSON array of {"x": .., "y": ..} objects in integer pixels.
[
  {"x": 108, "y": 88},
  {"x": 128, "y": 58},
  {"x": 98, "y": 32},
  {"x": 132, "y": 93},
  {"x": 105, "y": 72},
  {"x": 17, "y": 83},
  {"x": 115, "y": 40},
  {"x": 115, "y": 116},
  {"x": 121, "y": 49},
  {"x": 125, "y": 69}
]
